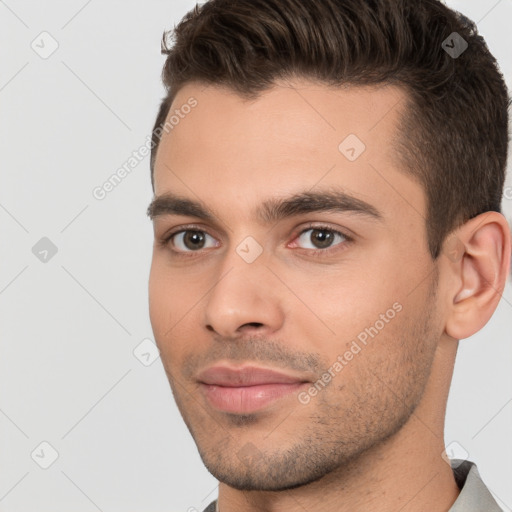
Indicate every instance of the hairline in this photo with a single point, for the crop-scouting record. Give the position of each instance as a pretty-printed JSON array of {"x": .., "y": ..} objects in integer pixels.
[{"x": 399, "y": 141}]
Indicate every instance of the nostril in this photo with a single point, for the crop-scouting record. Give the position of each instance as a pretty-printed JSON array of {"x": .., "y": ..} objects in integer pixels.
[{"x": 253, "y": 324}]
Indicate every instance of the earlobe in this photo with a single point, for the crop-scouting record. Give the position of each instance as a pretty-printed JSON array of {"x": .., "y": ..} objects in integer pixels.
[{"x": 480, "y": 274}]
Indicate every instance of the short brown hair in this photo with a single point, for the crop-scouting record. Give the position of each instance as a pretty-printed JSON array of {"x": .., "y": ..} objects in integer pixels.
[{"x": 454, "y": 132}]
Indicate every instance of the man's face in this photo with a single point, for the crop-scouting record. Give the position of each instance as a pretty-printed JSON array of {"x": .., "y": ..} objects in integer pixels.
[{"x": 351, "y": 322}]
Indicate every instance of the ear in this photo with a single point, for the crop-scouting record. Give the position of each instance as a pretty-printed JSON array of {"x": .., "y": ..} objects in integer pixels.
[{"x": 478, "y": 262}]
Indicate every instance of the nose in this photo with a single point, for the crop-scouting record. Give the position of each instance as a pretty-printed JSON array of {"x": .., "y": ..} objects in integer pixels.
[{"x": 244, "y": 299}]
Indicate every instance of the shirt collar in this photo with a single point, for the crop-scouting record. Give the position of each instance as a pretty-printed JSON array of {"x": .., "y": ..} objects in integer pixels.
[{"x": 474, "y": 495}]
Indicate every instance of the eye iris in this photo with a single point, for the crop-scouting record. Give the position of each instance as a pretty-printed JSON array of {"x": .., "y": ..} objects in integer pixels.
[
  {"x": 322, "y": 236},
  {"x": 193, "y": 237}
]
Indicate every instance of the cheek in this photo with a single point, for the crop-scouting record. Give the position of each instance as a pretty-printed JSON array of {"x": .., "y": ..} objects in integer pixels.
[
  {"x": 350, "y": 299},
  {"x": 164, "y": 296},
  {"x": 174, "y": 302},
  {"x": 360, "y": 313},
  {"x": 157, "y": 299}
]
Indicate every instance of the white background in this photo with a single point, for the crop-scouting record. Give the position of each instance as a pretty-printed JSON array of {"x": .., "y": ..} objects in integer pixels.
[{"x": 68, "y": 375}]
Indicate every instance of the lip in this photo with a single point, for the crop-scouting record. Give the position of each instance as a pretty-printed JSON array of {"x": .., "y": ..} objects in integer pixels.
[
  {"x": 245, "y": 376},
  {"x": 247, "y": 389}
]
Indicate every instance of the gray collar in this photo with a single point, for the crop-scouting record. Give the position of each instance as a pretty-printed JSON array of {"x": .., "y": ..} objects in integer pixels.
[{"x": 474, "y": 495}]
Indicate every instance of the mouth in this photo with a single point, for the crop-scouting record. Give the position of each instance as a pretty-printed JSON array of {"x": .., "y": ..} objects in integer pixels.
[{"x": 247, "y": 389}]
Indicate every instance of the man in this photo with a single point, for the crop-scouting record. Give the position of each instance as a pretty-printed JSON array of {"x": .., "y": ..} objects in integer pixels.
[{"x": 327, "y": 179}]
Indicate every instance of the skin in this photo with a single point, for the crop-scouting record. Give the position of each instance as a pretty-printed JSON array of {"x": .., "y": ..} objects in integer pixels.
[{"x": 373, "y": 437}]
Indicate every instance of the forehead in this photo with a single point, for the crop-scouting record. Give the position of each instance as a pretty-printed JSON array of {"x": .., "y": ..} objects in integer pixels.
[{"x": 293, "y": 137}]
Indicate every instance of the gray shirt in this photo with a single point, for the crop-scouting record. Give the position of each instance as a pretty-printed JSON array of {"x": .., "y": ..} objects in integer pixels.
[{"x": 474, "y": 495}]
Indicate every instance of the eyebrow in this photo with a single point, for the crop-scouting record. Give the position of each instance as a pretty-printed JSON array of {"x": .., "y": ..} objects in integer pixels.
[{"x": 271, "y": 210}]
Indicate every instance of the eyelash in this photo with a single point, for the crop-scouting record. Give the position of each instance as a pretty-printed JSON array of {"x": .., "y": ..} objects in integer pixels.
[{"x": 164, "y": 242}]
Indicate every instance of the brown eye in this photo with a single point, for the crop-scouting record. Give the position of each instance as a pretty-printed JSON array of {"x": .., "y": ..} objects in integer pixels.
[
  {"x": 321, "y": 237},
  {"x": 190, "y": 240}
]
